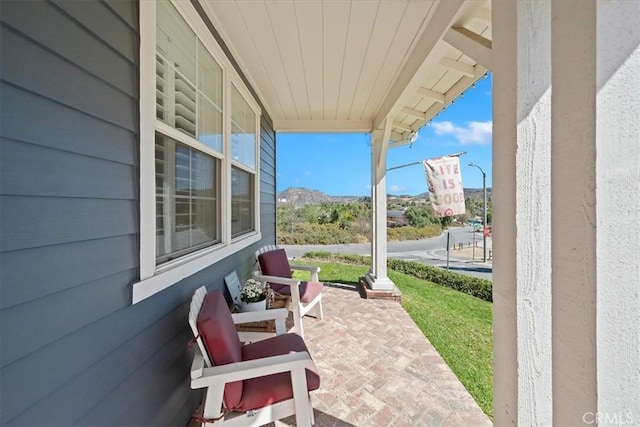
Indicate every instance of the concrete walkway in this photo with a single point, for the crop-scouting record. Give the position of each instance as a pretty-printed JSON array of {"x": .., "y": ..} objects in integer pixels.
[{"x": 378, "y": 369}]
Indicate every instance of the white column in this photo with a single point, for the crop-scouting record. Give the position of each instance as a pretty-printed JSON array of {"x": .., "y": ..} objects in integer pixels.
[
  {"x": 374, "y": 235},
  {"x": 566, "y": 239},
  {"x": 618, "y": 203},
  {"x": 573, "y": 212},
  {"x": 522, "y": 213},
  {"x": 505, "y": 337},
  {"x": 377, "y": 277}
]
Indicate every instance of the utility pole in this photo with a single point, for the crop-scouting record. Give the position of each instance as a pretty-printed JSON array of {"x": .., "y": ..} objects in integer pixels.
[{"x": 484, "y": 210}]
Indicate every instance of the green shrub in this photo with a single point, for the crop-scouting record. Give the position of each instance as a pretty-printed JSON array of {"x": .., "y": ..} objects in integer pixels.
[
  {"x": 412, "y": 233},
  {"x": 315, "y": 234},
  {"x": 480, "y": 288}
]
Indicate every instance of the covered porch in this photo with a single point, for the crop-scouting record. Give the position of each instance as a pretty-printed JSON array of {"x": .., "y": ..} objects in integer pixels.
[
  {"x": 563, "y": 259},
  {"x": 81, "y": 345},
  {"x": 385, "y": 68}
]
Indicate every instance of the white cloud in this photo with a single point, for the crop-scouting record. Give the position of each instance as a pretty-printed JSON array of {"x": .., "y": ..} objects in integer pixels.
[
  {"x": 473, "y": 133},
  {"x": 307, "y": 173}
]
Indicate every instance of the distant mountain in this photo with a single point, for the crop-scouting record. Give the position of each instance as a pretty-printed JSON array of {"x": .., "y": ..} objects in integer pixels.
[
  {"x": 303, "y": 196},
  {"x": 474, "y": 193}
]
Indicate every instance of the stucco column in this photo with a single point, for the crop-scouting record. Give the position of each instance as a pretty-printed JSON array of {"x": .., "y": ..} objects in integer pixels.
[
  {"x": 617, "y": 189},
  {"x": 522, "y": 212},
  {"x": 374, "y": 235},
  {"x": 595, "y": 183},
  {"x": 566, "y": 179},
  {"x": 573, "y": 172},
  {"x": 377, "y": 278},
  {"x": 505, "y": 348}
]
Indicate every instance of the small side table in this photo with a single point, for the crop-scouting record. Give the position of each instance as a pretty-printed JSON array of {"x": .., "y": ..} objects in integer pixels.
[{"x": 268, "y": 325}]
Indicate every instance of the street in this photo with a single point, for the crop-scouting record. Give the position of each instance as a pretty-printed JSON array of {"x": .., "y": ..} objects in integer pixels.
[{"x": 428, "y": 251}]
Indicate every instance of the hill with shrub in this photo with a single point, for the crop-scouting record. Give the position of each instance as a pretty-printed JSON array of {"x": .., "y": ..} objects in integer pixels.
[{"x": 311, "y": 217}]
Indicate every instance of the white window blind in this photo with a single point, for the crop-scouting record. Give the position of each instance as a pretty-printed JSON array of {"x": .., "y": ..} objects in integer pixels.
[
  {"x": 188, "y": 80},
  {"x": 243, "y": 130}
]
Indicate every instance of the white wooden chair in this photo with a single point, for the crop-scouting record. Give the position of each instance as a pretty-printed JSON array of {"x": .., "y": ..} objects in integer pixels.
[
  {"x": 254, "y": 384},
  {"x": 276, "y": 271}
]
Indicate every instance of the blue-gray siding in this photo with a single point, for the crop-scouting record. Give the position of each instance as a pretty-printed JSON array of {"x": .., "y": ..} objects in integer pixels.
[{"x": 73, "y": 349}]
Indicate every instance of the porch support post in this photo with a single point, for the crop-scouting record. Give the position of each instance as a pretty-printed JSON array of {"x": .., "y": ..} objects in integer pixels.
[
  {"x": 595, "y": 182},
  {"x": 617, "y": 187},
  {"x": 573, "y": 200},
  {"x": 522, "y": 228},
  {"x": 566, "y": 176},
  {"x": 377, "y": 278}
]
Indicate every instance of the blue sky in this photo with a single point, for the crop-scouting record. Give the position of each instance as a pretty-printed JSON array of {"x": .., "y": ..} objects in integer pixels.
[{"x": 340, "y": 164}]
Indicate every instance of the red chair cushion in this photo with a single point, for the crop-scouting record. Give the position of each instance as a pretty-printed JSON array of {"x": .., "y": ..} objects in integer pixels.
[
  {"x": 270, "y": 389},
  {"x": 218, "y": 333},
  {"x": 275, "y": 263},
  {"x": 308, "y": 291}
]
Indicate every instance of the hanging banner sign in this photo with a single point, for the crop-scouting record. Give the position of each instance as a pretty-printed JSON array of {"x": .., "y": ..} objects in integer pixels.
[{"x": 444, "y": 181}]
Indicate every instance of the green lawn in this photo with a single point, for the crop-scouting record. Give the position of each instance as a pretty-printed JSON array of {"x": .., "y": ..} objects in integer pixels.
[{"x": 458, "y": 325}]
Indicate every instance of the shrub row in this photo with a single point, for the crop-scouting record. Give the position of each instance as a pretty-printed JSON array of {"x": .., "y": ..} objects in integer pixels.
[
  {"x": 480, "y": 288},
  {"x": 412, "y": 233},
  {"x": 315, "y": 234}
]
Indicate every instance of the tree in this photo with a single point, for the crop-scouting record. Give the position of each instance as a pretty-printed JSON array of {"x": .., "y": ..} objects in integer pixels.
[
  {"x": 463, "y": 218},
  {"x": 419, "y": 216},
  {"x": 446, "y": 221}
]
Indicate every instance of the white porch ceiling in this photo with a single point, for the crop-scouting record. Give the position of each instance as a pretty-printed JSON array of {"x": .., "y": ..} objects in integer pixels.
[{"x": 347, "y": 65}]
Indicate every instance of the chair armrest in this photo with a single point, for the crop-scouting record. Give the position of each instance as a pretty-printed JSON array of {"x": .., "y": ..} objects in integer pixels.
[
  {"x": 276, "y": 279},
  {"x": 314, "y": 270},
  {"x": 197, "y": 366},
  {"x": 252, "y": 369},
  {"x": 311, "y": 268},
  {"x": 258, "y": 316}
]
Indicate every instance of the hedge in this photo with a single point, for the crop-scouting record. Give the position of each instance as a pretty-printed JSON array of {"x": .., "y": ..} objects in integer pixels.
[
  {"x": 315, "y": 234},
  {"x": 480, "y": 288},
  {"x": 412, "y": 233}
]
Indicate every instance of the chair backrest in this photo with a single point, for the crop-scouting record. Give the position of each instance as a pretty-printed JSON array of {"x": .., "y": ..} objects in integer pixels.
[
  {"x": 216, "y": 336},
  {"x": 266, "y": 248},
  {"x": 275, "y": 263},
  {"x": 196, "y": 304}
]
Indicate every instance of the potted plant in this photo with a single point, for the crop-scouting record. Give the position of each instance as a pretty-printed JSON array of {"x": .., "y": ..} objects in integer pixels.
[{"x": 253, "y": 296}]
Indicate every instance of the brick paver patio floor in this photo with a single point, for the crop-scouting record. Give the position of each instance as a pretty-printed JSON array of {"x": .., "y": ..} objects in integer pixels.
[{"x": 378, "y": 369}]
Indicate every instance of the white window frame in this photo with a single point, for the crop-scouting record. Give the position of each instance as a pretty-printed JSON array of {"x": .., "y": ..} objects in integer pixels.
[{"x": 154, "y": 278}]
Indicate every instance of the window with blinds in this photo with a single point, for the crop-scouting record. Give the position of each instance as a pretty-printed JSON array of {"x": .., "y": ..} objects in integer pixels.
[
  {"x": 189, "y": 99},
  {"x": 243, "y": 153},
  {"x": 242, "y": 202},
  {"x": 187, "y": 199},
  {"x": 199, "y": 149},
  {"x": 243, "y": 130},
  {"x": 188, "y": 80}
]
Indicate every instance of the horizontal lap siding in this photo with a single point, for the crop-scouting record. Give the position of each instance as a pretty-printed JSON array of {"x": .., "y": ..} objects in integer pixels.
[
  {"x": 69, "y": 204},
  {"x": 267, "y": 183},
  {"x": 73, "y": 350}
]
